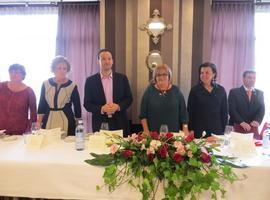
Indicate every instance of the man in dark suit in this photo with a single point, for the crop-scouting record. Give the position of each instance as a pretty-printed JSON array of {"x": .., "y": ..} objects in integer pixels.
[
  {"x": 246, "y": 106},
  {"x": 107, "y": 96}
]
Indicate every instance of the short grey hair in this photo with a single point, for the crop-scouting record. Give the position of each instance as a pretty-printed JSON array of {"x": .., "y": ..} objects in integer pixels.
[
  {"x": 57, "y": 60},
  {"x": 159, "y": 68}
]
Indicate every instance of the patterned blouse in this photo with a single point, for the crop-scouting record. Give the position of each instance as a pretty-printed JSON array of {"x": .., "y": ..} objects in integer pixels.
[{"x": 14, "y": 109}]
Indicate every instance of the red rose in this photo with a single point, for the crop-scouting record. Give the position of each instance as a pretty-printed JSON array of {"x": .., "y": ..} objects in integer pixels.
[
  {"x": 190, "y": 137},
  {"x": 163, "y": 151},
  {"x": 150, "y": 157},
  {"x": 169, "y": 135},
  {"x": 177, "y": 157},
  {"x": 205, "y": 157},
  {"x": 127, "y": 153},
  {"x": 155, "y": 135}
]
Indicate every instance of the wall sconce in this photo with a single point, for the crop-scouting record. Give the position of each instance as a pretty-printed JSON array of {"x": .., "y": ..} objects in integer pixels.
[
  {"x": 153, "y": 59},
  {"x": 155, "y": 26}
]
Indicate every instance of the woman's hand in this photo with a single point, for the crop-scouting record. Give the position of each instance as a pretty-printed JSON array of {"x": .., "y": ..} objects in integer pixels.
[{"x": 185, "y": 130}]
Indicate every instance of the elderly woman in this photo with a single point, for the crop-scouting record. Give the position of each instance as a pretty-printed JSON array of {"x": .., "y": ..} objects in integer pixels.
[
  {"x": 163, "y": 103},
  {"x": 58, "y": 96},
  {"x": 207, "y": 103},
  {"x": 16, "y": 100}
]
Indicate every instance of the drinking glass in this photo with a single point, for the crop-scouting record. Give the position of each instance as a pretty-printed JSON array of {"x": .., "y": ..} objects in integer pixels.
[
  {"x": 104, "y": 126},
  {"x": 227, "y": 134},
  {"x": 35, "y": 127},
  {"x": 25, "y": 136},
  {"x": 163, "y": 128}
]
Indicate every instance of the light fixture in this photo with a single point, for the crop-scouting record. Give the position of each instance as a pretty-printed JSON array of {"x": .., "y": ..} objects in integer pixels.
[
  {"x": 155, "y": 26},
  {"x": 153, "y": 59}
]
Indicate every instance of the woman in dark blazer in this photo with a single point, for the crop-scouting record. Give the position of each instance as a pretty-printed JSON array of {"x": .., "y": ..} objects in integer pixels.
[{"x": 207, "y": 103}]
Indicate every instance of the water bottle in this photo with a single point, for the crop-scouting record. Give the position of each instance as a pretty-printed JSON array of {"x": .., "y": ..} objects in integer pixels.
[
  {"x": 80, "y": 136},
  {"x": 266, "y": 137}
]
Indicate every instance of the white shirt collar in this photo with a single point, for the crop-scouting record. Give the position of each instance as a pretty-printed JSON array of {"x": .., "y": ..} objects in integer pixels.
[{"x": 252, "y": 89}]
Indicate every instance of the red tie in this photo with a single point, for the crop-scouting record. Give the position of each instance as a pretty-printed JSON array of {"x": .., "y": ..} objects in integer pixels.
[{"x": 249, "y": 93}]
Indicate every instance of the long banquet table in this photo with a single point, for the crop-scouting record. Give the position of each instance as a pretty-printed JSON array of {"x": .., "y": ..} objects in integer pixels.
[{"x": 58, "y": 171}]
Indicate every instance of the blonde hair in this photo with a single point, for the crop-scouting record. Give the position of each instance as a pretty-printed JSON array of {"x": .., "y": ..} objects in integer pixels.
[{"x": 160, "y": 68}]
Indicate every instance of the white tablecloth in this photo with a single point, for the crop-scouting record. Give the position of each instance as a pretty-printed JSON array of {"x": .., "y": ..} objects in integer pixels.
[{"x": 58, "y": 171}]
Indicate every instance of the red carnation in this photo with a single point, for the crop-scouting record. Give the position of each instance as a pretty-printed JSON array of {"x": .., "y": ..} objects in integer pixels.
[
  {"x": 169, "y": 135},
  {"x": 190, "y": 137},
  {"x": 127, "y": 153},
  {"x": 163, "y": 151},
  {"x": 205, "y": 157},
  {"x": 150, "y": 157},
  {"x": 155, "y": 135},
  {"x": 177, "y": 157}
]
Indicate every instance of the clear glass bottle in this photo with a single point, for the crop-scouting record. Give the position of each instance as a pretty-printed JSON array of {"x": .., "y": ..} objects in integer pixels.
[
  {"x": 266, "y": 138},
  {"x": 80, "y": 136}
]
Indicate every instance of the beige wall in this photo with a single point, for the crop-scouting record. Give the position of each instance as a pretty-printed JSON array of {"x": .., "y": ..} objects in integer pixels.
[{"x": 121, "y": 19}]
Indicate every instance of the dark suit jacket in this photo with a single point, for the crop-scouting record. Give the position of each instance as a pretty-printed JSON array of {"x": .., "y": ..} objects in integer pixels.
[
  {"x": 94, "y": 99},
  {"x": 243, "y": 110},
  {"x": 208, "y": 111}
]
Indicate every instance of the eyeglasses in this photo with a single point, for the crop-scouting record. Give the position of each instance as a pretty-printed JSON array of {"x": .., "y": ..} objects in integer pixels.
[
  {"x": 15, "y": 71},
  {"x": 159, "y": 75}
]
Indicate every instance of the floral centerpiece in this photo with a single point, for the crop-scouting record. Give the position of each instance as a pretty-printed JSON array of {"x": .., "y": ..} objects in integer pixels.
[{"x": 183, "y": 166}]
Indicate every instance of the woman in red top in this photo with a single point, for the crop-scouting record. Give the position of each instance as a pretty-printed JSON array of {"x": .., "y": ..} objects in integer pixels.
[{"x": 16, "y": 100}]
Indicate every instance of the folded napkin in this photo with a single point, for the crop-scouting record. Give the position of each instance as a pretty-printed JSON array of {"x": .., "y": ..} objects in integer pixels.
[
  {"x": 110, "y": 133},
  {"x": 100, "y": 139},
  {"x": 97, "y": 141},
  {"x": 242, "y": 145},
  {"x": 34, "y": 141},
  {"x": 50, "y": 135},
  {"x": 43, "y": 137}
]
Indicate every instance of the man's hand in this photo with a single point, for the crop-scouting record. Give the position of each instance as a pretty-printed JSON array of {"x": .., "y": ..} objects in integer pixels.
[
  {"x": 105, "y": 108},
  {"x": 110, "y": 108},
  {"x": 245, "y": 126},
  {"x": 255, "y": 124},
  {"x": 113, "y": 107}
]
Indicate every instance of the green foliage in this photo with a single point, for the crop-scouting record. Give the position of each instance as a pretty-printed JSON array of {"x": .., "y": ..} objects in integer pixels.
[{"x": 183, "y": 167}]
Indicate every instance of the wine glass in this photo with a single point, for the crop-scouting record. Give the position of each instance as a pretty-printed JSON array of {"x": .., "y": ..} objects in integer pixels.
[
  {"x": 104, "y": 126},
  {"x": 35, "y": 126},
  {"x": 227, "y": 134},
  {"x": 25, "y": 136},
  {"x": 163, "y": 129}
]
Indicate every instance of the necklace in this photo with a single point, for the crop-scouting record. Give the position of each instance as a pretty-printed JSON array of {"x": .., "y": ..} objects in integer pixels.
[{"x": 163, "y": 92}]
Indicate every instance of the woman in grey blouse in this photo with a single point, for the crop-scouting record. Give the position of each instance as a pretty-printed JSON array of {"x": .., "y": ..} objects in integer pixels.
[{"x": 163, "y": 103}]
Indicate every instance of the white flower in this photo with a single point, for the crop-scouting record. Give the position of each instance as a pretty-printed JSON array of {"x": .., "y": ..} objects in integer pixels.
[
  {"x": 204, "y": 150},
  {"x": 203, "y": 133},
  {"x": 155, "y": 144},
  {"x": 143, "y": 147},
  {"x": 150, "y": 151},
  {"x": 188, "y": 146}
]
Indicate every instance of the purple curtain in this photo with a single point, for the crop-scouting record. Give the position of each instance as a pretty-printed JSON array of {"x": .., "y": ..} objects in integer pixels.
[
  {"x": 233, "y": 41},
  {"x": 78, "y": 40}
]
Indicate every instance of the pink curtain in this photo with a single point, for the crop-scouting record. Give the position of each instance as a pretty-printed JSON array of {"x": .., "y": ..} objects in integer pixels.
[
  {"x": 78, "y": 40},
  {"x": 232, "y": 42}
]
